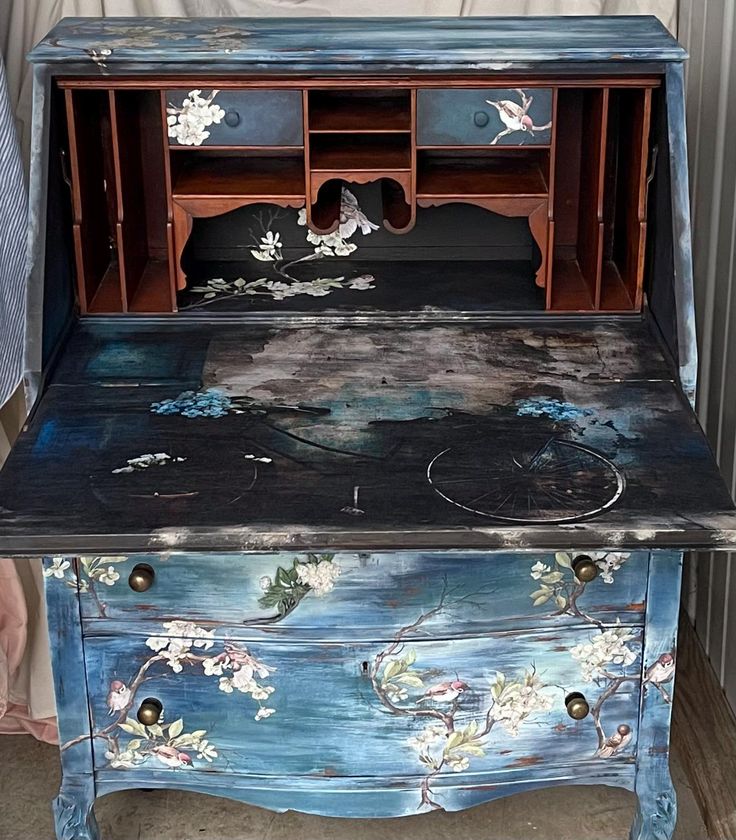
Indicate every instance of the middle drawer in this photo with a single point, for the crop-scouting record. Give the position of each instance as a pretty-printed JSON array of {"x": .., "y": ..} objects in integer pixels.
[{"x": 365, "y": 596}]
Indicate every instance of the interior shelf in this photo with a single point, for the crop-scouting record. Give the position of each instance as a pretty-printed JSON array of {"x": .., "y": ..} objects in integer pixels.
[
  {"x": 371, "y": 111},
  {"x": 360, "y": 153},
  {"x": 570, "y": 292},
  {"x": 254, "y": 176},
  {"x": 480, "y": 176}
]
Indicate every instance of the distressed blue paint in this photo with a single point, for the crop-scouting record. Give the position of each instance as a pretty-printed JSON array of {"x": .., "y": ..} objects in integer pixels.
[
  {"x": 687, "y": 347},
  {"x": 74, "y": 818},
  {"x": 657, "y": 809},
  {"x": 378, "y": 43},
  {"x": 375, "y": 595}
]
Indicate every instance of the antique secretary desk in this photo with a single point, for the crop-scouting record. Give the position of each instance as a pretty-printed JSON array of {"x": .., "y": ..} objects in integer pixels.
[{"x": 363, "y": 461}]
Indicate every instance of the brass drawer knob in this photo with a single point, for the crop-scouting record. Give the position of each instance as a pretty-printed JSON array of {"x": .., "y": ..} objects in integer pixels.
[
  {"x": 577, "y": 706},
  {"x": 149, "y": 712},
  {"x": 584, "y": 568},
  {"x": 141, "y": 578}
]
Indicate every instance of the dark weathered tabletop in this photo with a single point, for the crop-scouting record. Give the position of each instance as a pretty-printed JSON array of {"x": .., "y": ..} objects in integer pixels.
[{"x": 550, "y": 434}]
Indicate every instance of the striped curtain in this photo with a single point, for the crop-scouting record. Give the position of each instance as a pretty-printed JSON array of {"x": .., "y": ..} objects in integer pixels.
[{"x": 13, "y": 226}]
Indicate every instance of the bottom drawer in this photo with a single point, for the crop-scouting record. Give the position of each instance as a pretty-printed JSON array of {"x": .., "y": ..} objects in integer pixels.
[{"x": 411, "y": 707}]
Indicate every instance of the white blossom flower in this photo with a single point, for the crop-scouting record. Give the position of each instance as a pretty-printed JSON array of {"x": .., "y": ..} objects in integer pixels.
[
  {"x": 539, "y": 569},
  {"x": 265, "y": 583},
  {"x": 269, "y": 248},
  {"x": 428, "y": 736},
  {"x": 225, "y": 685},
  {"x": 212, "y": 666},
  {"x": 109, "y": 576},
  {"x": 206, "y": 751},
  {"x": 606, "y": 648},
  {"x": 609, "y": 562},
  {"x": 263, "y": 712},
  {"x": 362, "y": 283},
  {"x": 319, "y": 577},
  {"x": 150, "y": 459},
  {"x": 515, "y": 701},
  {"x": 184, "y": 636},
  {"x": 187, "y": 124},
  {"x": 57, "y": 568},
  {"x": 457, "y": 763}
]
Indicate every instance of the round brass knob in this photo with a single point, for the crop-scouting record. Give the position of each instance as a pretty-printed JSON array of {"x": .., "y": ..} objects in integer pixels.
[
  {"x": 584, "y": 568},
  {"x": 149, "y": 712},
  {"x": 232, "y": 118},
  {"x": 480, "y": 118},
  {"x": 141, "y": 578},
  {"x": 577, "y": 706}
]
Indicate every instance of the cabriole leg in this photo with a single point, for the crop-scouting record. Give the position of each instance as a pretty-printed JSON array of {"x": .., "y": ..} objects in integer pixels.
[
  {"x": 656, "y": 811},
  {"x": 73, "y": 815}
]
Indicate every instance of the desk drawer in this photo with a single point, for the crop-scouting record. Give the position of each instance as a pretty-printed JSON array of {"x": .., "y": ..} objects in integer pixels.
[
  {"x": 327, "y": 711},
  {"x": 466, "y": 117},
  {"x": 242, "y": 117},
  {"x": 347, "y": 596}
]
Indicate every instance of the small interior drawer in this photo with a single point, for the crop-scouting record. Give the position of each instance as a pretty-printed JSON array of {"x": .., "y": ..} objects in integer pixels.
[
  {"x": 348, "y": 596},
  {"x": 241, "y": 117},
  {"x": 483, "y": 117}
]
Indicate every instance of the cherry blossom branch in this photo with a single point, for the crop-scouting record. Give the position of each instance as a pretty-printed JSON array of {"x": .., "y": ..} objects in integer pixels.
[{"x": 615, "y": 683}]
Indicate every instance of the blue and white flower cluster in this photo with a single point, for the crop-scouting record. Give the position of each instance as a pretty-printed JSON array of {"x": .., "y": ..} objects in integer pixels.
[
  {"x": 209, "y": 403},
  {"x": 555, "y": 409}
]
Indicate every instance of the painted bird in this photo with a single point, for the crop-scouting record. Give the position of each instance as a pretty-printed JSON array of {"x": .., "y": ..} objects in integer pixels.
[
  {"x": 617, "y": 742},
  {"x": 118, "y": 698},
  {"x": 352, "y": 217},
  {"x": 515, "y": 116},
  {"x": 171, "y": 757},
  {"x": 660, "y": 672},
  {"x": 444, "y": 692}
]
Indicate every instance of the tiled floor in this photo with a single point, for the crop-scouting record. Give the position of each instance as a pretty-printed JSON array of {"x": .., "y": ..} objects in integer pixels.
[{"x": 29, "y": 775}]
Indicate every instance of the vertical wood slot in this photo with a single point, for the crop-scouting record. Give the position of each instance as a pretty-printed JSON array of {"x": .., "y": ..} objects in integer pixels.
[
  {"x": 578, "y": 200},
  {"x": 625, "y": 199},
  {"x": 142, "y": 204},
  {"x": 94, "y": 200}
]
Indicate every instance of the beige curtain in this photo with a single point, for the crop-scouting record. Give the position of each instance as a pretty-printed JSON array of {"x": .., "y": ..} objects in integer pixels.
[{"x": 24, "y": 663}]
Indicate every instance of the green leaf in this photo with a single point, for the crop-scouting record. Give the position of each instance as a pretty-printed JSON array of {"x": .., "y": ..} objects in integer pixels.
[
  {"x": 541, "y": 600},
  {"x": 396, "y": 666},
  {"x": 471, "y": 749},
  {"x": 133, "y": 727},
  {"x": 561, "y": 602},
  {"x": 562, "y": 558},
  {"x": 453, "y": 741},
  {"x": 409, "y": 679},
  {"x": 545, "y": 590},
  {"x": 156, "y": 731},
  {"x": 133, "y": 744},
  {"x": 411, "y": 657},
  {"x": 176, "y": 728},
  {"x": 552, "y": 577},
  {"x": 470, "y": 730}
]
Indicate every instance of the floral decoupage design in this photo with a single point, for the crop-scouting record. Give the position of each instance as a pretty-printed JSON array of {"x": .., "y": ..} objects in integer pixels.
[
  {"x": 90, "y": 571},
  {"x": 188, "y": 123},
  {"x": 183, "y": 645},
  {"x": 267, "y": 248},
  {"x": 515, "y": 116},
  {"x": 607, "y": 660},
  {"x": 443, "y": 743}
]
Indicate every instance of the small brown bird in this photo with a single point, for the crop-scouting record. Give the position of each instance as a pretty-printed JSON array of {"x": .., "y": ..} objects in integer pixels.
[
  {"x": 171, "y": 757},
  {"x": 118, "y": 697},
  {"x": 515, "y": 116},
  {"x": 444, "y": 692},
  {"x": 617, "y": 742},
  {"x": 660, "y": 672}
]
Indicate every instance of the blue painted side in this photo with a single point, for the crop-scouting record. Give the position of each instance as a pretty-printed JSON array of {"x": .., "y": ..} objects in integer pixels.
[
  {"x": 475, "y": 43},
  {"x": 374, "y": 596},
  {"x": 657, "y": 809},
  {"x": 457, "y": 117},
  {"x": 251, "y": 118},
  {"x": 681, "y": 232}
]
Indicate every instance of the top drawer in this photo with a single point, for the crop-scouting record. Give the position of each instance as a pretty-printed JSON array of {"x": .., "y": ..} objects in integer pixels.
[
  {"x": 482, "y": 117},
  {"x": 234, "y": 117},
  {"x": 361, "y": 596}
]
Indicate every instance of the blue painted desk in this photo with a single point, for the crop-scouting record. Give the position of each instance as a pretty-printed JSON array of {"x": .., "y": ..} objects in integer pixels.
[{"x": 390, "y": 517}]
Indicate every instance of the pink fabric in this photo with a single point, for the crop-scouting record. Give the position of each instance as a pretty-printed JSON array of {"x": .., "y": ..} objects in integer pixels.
[{"x": 15, "y": 718}]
